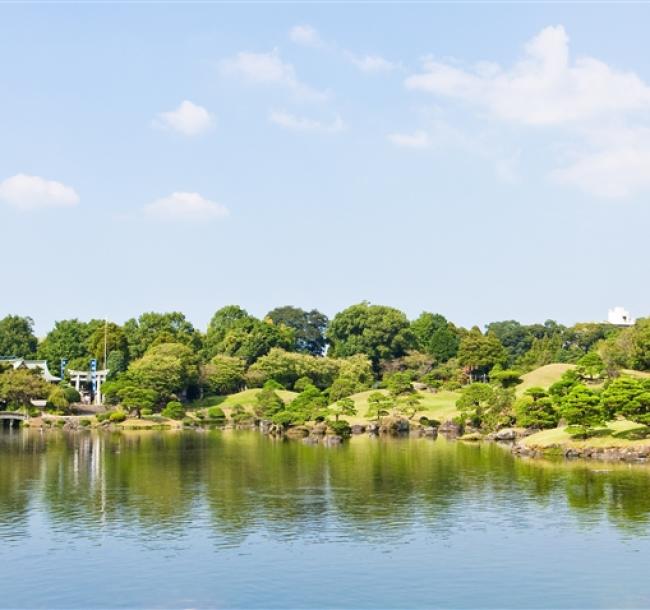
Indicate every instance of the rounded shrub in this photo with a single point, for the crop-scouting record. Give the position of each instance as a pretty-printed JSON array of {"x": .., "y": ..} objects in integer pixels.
[
  {"x": 174, "y": 410},
  {"x": 117, "y": 416},
  {"x": 71, "y": 394},
  {"x": 216, "y": 413},
  {"x": 341, "y": 427}
]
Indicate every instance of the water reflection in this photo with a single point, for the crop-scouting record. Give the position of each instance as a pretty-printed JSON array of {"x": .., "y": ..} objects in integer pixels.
[{"x": 244, "y": 483}]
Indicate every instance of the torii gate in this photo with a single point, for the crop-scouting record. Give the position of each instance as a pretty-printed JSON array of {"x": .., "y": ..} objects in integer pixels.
[{"x": 94, "y": 378}]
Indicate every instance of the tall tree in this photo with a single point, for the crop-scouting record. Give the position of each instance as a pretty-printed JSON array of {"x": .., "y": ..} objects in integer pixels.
[
  {"x": 479, "y": 352},
  {"x": 435, "y": 336},
  {"x": 516, "y": 338},
  {"x": 68, "y": 339},
  {"x": 17, "y": 337},
  {"x": 308, "y": 326},
  {"x": 378, "y": 331},
  {"x": 153, "y": 328}
]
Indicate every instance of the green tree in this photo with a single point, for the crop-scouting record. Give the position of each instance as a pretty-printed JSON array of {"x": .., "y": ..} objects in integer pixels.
[
  {"x": 582, "y": 408},
  {"x": 19, "y": 386},
  {"x": 268, "y": 403},
  {"x": 590, "y": 366},
  {"x": 68, "y": 339},
  {"x": 479, "y": 352},
  {"x": 251, "y": 339},
  {"x": 399, "y": 384},
  {"x": 535, "y": 410},
  {"x": 506, "y": 378},
  {"x": 110, "y": 336},
  {"x": 628, "y": 397},
  {"x": 379, "y": 405},
  {"x": 344, "y": 406},
  {"x": 17, "y": 337},
  {"x": 56, "y": 399},
  {"x": 474, "y": 401},
  {"x": 154, "y": 328},
  {"x": 515, "y": 338},
  {"x": 167, "y": 368},
  {"x": 288, "y": 367},
  {"x": 224, "y": 375},
  {"x": 378, "y": 331},
  {"x": 435, "y": 336},
  {"x": 409, "y": 404},
  {"x": 137, "y": 399},
  {"x": 309, "y": 404},
  {"x": 174, "y": 410},
  {"x": 308, "y": 327},
  {"x": 640, "y": 351}
]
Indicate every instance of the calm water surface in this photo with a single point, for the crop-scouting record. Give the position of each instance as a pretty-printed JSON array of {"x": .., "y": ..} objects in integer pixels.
[{"x": 235, "y": 520}]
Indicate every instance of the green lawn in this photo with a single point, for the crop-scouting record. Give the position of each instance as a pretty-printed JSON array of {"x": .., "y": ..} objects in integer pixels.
[
  {"x": 440, "y": 406},
  {"x": 559, "y": 436},
  {"x": 247, "y": 399},
  {"x": 544, "y": 376}
]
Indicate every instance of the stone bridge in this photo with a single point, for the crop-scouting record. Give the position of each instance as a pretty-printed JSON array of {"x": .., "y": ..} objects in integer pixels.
[{"x": 9, "y": 419}]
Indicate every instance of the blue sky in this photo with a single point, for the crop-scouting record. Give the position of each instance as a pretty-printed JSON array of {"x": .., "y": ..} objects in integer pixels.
[{"x": 484, "y": 161}]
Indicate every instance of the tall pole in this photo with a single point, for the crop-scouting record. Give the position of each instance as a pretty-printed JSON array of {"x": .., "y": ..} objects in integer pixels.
[{"x": 105, "y": 339}]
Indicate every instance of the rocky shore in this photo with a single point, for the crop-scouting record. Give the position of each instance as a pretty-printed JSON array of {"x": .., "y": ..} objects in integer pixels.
[{"x": 636, "y": 453}]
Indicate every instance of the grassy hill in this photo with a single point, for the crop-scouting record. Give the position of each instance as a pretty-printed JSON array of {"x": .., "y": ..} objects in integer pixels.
[
  {"x": 440, "y": 406},
  {"x": 246, "y": 398},
  {"x": 559, "y": 436},
  {"x": 544, "y": 376}
]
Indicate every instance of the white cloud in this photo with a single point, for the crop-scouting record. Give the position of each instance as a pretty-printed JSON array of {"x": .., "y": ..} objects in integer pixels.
[
  {"x": 32, "y": 192},
  {"x": 543, "y": 88},
  {"x": 297, "y": 123},
  {"x": 185, "y": 207},
  {"x": 188, "y": 119},
  {"x": 418, "y": 139},
  {"x": 616, "y": 164},
  {"x": 372, "y": 63},
  {"x": 268, "y": 69},
  {"x": 305, "y": 35}
]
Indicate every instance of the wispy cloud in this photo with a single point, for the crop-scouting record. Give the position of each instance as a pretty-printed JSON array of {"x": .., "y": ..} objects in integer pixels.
[
  {"x": 418, "y": 139},
  {"x": 597, "y": 112},
  {"x": 372, "y": 63},
  {"x": 305, "y": 35},
  {"x": 269, "y": 69},
  {"x": 543, "y": 88},
  {"x": 189, "y": 207},
  {"x": 188, "y": 119},
  {"x": 614, "y": 163},
  {"x": 25, "y": 192},
  {"x": 300, "y": 123}
]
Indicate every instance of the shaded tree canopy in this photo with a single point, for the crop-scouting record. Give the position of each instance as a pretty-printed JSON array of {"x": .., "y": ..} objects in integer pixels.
[
  {"x": 435, "y": 336},
  {"x": 17, "y": 337},
  {"x": 378, "y": 331},
  {"x": 308, "y": 327},
  {"x": 481, "y": 352},
  {"x": 68, "y": 339},
  {"x": 153, "y": 328}
]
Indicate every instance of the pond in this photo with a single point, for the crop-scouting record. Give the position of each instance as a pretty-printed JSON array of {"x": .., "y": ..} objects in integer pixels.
[{"x": 238, "y": 520}]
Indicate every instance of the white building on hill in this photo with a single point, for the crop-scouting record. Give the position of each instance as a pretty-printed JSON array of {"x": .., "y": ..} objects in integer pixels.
[{"x": 620, "y": 317}]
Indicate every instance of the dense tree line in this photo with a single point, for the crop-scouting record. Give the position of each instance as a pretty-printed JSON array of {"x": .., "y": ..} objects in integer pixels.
[{"x": 162, "y": 357}]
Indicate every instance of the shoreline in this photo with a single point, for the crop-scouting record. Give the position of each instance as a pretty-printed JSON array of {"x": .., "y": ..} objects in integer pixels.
[{"x": 522, "y": 443}]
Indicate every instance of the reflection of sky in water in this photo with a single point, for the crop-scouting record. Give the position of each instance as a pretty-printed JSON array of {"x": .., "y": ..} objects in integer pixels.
[{"x": 233, "y": 520}]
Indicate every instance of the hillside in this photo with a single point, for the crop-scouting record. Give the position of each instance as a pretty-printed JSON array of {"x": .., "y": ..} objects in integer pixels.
[
  {"x": 246, "y": 398},
  {"x": 544, "y": 376},
  {"x": 439, "y": 405}
]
